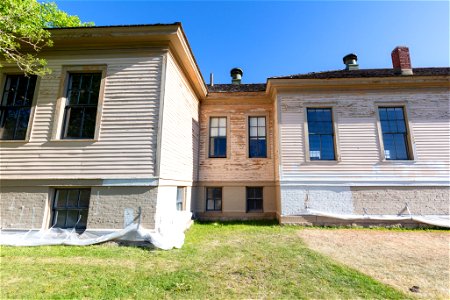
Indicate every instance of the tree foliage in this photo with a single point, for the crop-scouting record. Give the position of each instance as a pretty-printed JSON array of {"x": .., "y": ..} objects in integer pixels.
[{"x": 23, "y": 34}]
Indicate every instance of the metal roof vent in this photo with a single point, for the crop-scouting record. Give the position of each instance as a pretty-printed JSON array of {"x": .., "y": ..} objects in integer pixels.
[
  {"x": 236, "y": 75},
  {"x": 350, "y": 61}
]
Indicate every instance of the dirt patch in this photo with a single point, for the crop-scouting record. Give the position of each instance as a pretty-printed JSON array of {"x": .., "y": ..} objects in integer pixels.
[{"x": 402, "y": 259}]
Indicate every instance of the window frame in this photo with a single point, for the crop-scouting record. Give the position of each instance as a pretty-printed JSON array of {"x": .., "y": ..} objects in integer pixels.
[
  {"x": 55, "y": 210},
  {"x": 59, "y": 117},
  {"x": 410, "y": 148},
  {"x": 265, "y": 116},
  {"x": 248, "y": 210},
  {"x": 214, "y": 199},
  {"x": 334, "y": 119},
  {"x": 226, "y": 136},
  {"x": 3, "y": 75}
]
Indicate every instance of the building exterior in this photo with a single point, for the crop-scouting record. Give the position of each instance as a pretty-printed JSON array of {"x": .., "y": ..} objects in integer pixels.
[{"x": 125, "y": 130}]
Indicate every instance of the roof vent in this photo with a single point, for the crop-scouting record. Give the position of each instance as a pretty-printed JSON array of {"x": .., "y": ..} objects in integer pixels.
[
  {"x": 401, "y": 61},
  {"x": 350, "y": 61},
  {"x": 236, "y": 75}
]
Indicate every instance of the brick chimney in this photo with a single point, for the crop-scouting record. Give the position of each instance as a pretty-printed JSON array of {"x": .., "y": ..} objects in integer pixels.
[{"x": 401, "y": 61}]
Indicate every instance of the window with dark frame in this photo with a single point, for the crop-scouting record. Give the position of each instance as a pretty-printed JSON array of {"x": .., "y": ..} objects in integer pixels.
[
  {"x": 257, "y": 137},
  {"x": 70, "y": 208},
  {"x": 214, "y": 199},
  {"x": 80, "y": 112},
  {"x": 181, "y": 198},
  {"x": 320, "y": 134},
  {"x": 15, "y": 106},
  {"x": 254, "y": 199},
  {"x": 395, "y": 133},
  {"x": 218, "y": 137}
]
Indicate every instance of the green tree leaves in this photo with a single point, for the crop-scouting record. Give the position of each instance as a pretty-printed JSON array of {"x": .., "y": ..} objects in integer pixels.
[{"x": 23, "y": 34}]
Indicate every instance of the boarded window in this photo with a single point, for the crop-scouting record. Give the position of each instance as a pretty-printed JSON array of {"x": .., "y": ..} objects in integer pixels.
[
  {"x": 15, "y": 106},
  {"x": 254, "y": 199},
  {"x": 218, "y": 137},
  {"x": 257, "y": 137},
  {"x": 70, "y": 208},
  {"x": 320, "y": 134},
  {"x": 214, "y": 198},
  {"x": 395, "y": 134},
  {"x": 80, "y": 112}
]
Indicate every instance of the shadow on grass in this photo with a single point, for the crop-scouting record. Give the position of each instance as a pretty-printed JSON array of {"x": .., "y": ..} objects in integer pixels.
[{"x": 240, "y": 222}]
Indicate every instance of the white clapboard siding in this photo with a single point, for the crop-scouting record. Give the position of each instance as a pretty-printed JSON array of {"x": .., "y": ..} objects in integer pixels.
[
  {"x": 126, "y": 147},
  {"x": 358, "y": 138},
  {"x": 180, "y": 129}
]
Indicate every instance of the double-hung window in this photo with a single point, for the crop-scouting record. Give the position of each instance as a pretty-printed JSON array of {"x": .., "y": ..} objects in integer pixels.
[
  {"x": 214, "y": 199},
  {"x": 218, "y": 137},
  {"x": 254, "y": 199},
  {"x": 15, "y": 106},
  {"x": 320, "y": 134},
  {"x": 70, "y": 208},
  {"x": 80, "y": 111},
  {"x": 257, "y": 137},
  {"x": 395, "y": 133}
]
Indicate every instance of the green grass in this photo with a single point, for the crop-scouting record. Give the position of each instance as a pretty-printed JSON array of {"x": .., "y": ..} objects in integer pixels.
[{"x": 229, "y": 260}]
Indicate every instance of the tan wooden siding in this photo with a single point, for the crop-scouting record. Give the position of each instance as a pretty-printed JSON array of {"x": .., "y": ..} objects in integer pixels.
[
  {"x": 360, "y": 154},
  {"x": 180, "y": 129},
  {"x": 237, "y": 166},
  {"x": 126, "y": 146}
]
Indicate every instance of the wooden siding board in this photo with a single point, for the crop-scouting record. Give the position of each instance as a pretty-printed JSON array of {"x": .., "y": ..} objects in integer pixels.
[
  {"x": 126, "y": 146},
  {"x": 359, "y": 147}
]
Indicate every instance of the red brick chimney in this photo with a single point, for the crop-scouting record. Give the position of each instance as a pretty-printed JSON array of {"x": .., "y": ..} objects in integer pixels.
[{"x": 401, "y": 60}]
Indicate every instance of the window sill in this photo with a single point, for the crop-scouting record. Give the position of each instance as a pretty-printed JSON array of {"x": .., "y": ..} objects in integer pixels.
[
  {"x": 74, "y": 140},
  {"x": 14, "y": 141},
  {"x": 394, "y": 161},
  {"x": 322, "y": 162}
]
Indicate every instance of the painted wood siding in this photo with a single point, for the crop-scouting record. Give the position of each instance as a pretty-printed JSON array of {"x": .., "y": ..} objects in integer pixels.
[
  {"x": 237, "y": 166},
  {"x": 180, "y": 128},
  {"x": 358, "y": 139},
  {"x": 126, "y": 146}
]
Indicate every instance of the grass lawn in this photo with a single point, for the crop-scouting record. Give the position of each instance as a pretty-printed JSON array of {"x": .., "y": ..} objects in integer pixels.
[{"x": 251, "y": 260}]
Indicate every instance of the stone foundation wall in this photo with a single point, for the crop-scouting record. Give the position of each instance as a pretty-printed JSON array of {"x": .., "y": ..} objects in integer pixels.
[
  {"x": 23, "y": 207},
  {"x": 114, "y": 207}
]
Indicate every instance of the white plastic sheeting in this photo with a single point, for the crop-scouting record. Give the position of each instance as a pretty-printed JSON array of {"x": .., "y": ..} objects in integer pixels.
[
  {"x": 165, "y": 240},
  {"x": 441, "y": 221}
]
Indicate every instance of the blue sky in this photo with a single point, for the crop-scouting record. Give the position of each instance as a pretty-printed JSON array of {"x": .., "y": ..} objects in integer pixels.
[{"x": 274, "y": 38}]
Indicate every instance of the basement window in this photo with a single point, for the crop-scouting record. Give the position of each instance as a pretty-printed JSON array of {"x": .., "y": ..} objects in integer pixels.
[
  {"x": 214, "y": 199},
  {"x": 218, "y": 137},
  {"x": 320, "y": 134},
  {"x": 80, "y": 112},
  {"x": 15, "y": 106},
  {"x": 254, "y": 199},
  {"x": 70, "y": 208},
  {"x": 181, "y": 198},
  {"x": 395, "y": 133}
]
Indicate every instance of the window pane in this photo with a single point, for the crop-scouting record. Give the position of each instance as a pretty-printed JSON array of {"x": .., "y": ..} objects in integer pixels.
[
  {"x": 385, "y": 126},
  {"x": 389, "y": 150},
  {"x": 261, "y": 131},
  {"x": 85, "y": 195},
  {"x": 327, "y": 151},
  {"x": 401, "y": 126},
  {"x": 253, "y": 121},
  {"x": 75, "y": 115},
  {"x": 60, "y": 199},
  {"x": 218, "y": 205},
  {"x": 72, "y": 198},
  {"x": 399, "y": 113},
  {"x": 83, "y": 219},
  {"x": 383, "y": 114},
  {"x": 311, "y": 115},
  {"x": 72, "y": 218},
  {"x": 391, "y": 113},
  {"x": 261, "y": 121},
  {"x": 217, "y": 193},
  {"x": 253, "y": 131},
  {"x": 400, "y": 146},
  {"x": 214, "y": 132},
  {"x": 222, "y": 131},
  {"x": 90, "y": 115},
  {"x": 60, "y": 219},
  {"x": 392, "y": 126},
  {"x": 214, "y": 122},
  {"x": 9, "y": 126},
  {"x": 314, "y": 143},
  {"x": 223, "y": 122}
]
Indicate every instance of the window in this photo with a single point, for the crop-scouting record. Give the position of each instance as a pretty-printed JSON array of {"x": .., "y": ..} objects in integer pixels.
[
  {"x": 214, "y": 199},
  {"x": 181, "y": 198},
  {"x": 257, "y": 137},
  {"x": 15, "y": 106},
  {"x": 395, "y": 134},
  {"x": 70, "y": 208},
  {"x": 254, "y": 199},
  {"x": 218, "y": 137},
  {"x": 80, "y": 112},
  {"x": 321, "y": 134}
]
